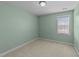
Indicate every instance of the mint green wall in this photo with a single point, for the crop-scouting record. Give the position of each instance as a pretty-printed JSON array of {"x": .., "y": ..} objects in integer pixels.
[
  {"x": 48, "y": 27},
  {"x": 76, "y": 27},
  {"x": 16, "y": 27}
]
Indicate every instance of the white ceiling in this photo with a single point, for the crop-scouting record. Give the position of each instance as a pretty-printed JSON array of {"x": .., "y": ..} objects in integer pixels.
[{"x": 51, "y": 7}]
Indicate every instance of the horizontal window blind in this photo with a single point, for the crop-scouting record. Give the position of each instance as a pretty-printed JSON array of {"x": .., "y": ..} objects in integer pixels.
[{"x": 63, "y": 24}]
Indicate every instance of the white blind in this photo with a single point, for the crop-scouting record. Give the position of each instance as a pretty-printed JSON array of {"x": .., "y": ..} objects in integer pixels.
[{"x": 63, "y": 24}]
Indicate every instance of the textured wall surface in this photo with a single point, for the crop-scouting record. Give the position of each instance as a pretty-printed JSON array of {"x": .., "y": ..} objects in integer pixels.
[
  {"x": 76, "y": 27},
  {"x": 16, "y": 27},
  {"x": 48, "y": 27}
]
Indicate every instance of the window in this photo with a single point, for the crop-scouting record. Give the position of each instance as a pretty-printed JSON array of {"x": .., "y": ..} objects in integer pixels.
[{"x": 63, "y": 24}]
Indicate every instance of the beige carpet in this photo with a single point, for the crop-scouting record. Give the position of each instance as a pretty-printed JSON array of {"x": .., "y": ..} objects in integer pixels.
[{"x": 43, "y": 48}]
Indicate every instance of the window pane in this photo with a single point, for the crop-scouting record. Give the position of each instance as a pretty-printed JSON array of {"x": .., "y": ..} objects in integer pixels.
[{"x": 63, "y": 24}]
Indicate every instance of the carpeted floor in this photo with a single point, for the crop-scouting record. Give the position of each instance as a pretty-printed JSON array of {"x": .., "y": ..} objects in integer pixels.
[{"x": 43, "y": 48}]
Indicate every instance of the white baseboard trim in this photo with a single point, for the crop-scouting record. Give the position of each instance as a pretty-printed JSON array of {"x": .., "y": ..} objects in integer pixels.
[
  {"x": 77, "y": 51},
  {"x": 13, "y": 49},
  {"x": 57, "y": 41}
]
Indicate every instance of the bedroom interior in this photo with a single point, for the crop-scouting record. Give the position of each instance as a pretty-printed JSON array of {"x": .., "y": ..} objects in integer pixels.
[{"x": 39, "y": 28}]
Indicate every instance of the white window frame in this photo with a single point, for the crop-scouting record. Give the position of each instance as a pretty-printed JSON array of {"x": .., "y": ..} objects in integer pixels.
[{"x": 63, "y": 31}]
